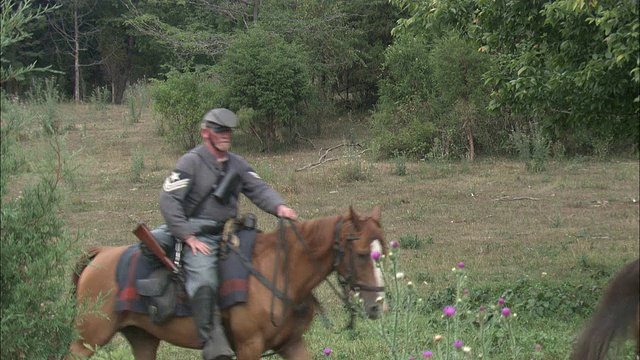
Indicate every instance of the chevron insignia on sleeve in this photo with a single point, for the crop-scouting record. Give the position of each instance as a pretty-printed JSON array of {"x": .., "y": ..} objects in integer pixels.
[
  {"x": 173, "y": 182},
  {"x": 252, "y": 173}
]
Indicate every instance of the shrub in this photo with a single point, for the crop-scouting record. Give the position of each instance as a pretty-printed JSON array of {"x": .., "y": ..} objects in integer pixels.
[
  {"x": 181, "y": 101},
  {"x": 37, "y": 305}
]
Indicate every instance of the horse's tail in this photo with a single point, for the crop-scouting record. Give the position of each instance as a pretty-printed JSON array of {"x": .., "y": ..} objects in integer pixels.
[
  {"x": 82, "y": 264},
  {"x": 617, "y": 309}
]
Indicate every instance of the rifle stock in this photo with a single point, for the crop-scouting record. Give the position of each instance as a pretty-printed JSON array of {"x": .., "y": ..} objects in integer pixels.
[{"x": 143, "y": 233}]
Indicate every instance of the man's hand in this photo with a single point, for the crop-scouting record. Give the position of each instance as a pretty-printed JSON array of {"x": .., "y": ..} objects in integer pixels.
[
  {"x": 285, "y": 212},
  {"x": 197, "y": 245}
]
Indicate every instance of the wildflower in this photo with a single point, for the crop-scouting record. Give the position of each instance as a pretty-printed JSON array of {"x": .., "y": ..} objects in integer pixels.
[
  {"x": 458, "y": 343},
  {"x": 465, "y": 291},
  {"x": 506, "y": 312},
  {"x": 449, "y": 311},
  {"x": 394, "y": 244},
  {"x": 327, "y": 351},
  {"x": 375, "y": 255},
  {"x": 411, "y": 358},
  {"x": 400, "y": 276},
  {"x": 427, "y": 354},
  {"x": 538, "y": 347},
  {"x": 437, "y": 338},
  {"x": 461, "y": 265},
  {"x": 481, "y": 307},
  {"x": 544, "y": 274},
  {"x": 410, "y": 285},
  {"x": 501, "y": 301},
  {"x": 466, "y": 350}
]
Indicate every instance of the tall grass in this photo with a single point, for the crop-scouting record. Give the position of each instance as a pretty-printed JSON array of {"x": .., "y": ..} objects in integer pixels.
[{"x": 137, "y": 98}]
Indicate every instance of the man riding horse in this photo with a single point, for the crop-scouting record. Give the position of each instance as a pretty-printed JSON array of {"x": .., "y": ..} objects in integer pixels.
[{"x": 196, "y": 200}]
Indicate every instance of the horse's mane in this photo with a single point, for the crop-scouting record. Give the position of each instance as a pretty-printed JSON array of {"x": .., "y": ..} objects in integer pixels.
[
  {"x": 310, "y": 230},
  {"x": 84, "y": 261}
]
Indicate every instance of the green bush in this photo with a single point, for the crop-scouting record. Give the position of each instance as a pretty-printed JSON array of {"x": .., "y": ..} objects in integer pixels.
[
  {"x": 37, "y": 305},
  {"x": 262, "y": 72},
  {"x": 181, "y": 101}
]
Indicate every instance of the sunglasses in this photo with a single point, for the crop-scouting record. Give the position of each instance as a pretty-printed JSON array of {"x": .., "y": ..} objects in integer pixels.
[{"x": 218, "y": 129}]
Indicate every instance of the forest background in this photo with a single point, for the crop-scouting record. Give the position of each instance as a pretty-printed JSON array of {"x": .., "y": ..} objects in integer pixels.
[{"x": 427, "y": 83}]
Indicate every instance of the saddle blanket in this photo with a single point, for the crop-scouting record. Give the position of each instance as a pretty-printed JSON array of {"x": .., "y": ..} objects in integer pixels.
[{"x": 232, "y": 272}]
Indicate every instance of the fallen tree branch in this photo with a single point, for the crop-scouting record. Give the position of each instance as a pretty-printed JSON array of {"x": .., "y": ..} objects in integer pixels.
[
  {"x": 508, "y": 198},
  {"x": 324, "y": 159}
]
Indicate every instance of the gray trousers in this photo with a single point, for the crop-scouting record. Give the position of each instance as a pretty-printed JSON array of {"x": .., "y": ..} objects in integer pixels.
[{"x": 201, "y": 270}]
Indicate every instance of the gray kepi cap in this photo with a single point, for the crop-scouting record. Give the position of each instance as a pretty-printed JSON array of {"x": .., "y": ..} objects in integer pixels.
[{"x": 223, "y": 118}]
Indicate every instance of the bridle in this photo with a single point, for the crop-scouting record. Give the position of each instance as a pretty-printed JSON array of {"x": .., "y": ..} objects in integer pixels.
[
  {"x": 339, "y": 252},
  {"x": 350, "y": 277}
]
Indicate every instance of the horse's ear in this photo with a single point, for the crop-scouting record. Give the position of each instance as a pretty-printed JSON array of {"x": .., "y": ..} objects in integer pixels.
[
  {"x": 376, "y": 214},
  {"x": 355, "y": 220}
]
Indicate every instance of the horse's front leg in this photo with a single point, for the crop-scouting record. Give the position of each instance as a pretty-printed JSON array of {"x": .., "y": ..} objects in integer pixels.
[
  {"x": 295, "y": 350},
  {"x": 249, "y": 349}
]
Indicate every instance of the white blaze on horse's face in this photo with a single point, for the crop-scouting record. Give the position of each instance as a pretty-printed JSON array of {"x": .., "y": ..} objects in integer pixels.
[{"x": 377, "y": 247}]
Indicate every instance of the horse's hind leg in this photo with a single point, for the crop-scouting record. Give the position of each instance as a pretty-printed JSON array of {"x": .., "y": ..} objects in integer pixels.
[
  {"x": 95, "y": 332},
  {"x": 144, "y": 345}
]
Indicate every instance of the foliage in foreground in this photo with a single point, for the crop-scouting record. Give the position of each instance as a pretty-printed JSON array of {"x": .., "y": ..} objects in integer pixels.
[
  {"x": 37, "y": 298},
  {"x": 461, "y": 322},
  {"x": 36, "y": 301}
]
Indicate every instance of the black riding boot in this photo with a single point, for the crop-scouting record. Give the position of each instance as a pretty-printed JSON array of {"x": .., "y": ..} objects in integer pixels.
[{"x": 209, "y": 325}]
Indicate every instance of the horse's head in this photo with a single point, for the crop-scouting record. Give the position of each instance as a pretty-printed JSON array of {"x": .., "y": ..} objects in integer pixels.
[{"x": 356, "y": 239}]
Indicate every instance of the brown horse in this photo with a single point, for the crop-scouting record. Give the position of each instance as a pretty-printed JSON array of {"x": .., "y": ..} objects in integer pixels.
[
  {"x": 618, "y": 310},
  {"x": 315, "y": 248}
]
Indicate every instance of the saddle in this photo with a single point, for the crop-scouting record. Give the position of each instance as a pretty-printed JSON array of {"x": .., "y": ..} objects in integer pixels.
[{"x": 146, "y": 287}]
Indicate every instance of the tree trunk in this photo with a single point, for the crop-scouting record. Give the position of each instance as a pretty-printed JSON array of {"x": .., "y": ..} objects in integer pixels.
[
  {"x": 471, "y": 147},
  {"x": 76, "y": 55}
]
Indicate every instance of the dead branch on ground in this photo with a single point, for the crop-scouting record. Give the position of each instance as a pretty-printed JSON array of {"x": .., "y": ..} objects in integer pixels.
[
  {"x": 324, "y": 153},
  {"x": 509, "y": 198}
]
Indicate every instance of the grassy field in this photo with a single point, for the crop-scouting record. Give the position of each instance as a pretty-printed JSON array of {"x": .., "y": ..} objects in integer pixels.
[{"x": 531, "y": 238}]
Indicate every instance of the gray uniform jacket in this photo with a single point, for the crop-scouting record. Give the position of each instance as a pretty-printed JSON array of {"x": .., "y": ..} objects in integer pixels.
[{"x": 195, "y": 174}]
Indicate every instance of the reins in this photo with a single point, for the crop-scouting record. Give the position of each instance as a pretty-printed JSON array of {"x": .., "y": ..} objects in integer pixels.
[{"x": 283, "y": 250}]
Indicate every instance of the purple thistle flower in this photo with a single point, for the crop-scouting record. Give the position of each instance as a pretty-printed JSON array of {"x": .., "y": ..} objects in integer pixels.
[
  {"x": 411, "y": 358},
  {"x": 375, "y": 255},
  {"x": 327, "y": 351},
  {"x": 394, "y": 244},
  {"x": 465, "y": 291},
  {"x": 481, "y": 307},
  {"x": 427, "y": 354},
  {"x": 461, "y": 265},
  {"x": 506, "y": 312},
  {"x": 458, "y": 343},
  {"x": 538, "y": 347},
  {"x": 501, "y": 301},
  {"x": 449, "y": 311}
]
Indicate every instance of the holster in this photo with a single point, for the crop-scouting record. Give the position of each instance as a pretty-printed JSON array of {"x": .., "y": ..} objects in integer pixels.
[{"x": 162, "y": 289}]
